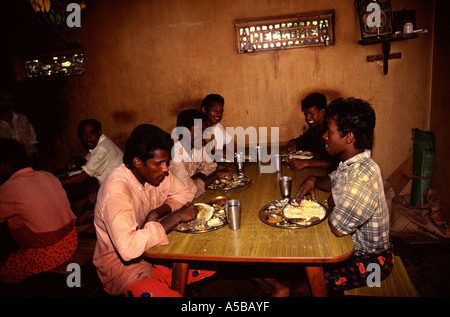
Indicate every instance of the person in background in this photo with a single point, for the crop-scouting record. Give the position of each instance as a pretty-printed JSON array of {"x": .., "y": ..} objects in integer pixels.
[
  {"x": 212, "y": 108},
  {"x": 313, "y": 107},
  {"x": 357, "y": 202},
  {"x": 138, "y": 204},
  {"x": 17, "y": 126},
  {"x": 103, "y": 156},
  {"x": 38, "y": 214},
  {"x": 188, "y": 162}
]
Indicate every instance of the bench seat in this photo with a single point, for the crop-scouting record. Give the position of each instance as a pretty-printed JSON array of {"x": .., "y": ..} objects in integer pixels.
[{"x": 397, "y": 284}]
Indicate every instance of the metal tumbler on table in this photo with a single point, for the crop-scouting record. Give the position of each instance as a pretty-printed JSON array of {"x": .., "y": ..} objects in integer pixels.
[
  {"x": 239, "y": 161},
  {"x": 278, "y": 159},
  {"x": 233, "y": 213},
  {"x": 285, "y": 186}
]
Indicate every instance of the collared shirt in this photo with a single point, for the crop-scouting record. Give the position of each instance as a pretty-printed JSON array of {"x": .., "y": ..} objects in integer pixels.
[
  {"x": 36, "y": 207},
  {"x": 22, "y": 131},
  {"x": 361, "y": 209},
  {"x": 184, "y": 165},
  {"x": 122, "y": 207},
  {"x": 101, "y": 160}
]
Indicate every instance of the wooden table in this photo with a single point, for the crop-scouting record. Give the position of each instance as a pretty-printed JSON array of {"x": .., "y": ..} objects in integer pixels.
[{"x": 256, "y": 241}]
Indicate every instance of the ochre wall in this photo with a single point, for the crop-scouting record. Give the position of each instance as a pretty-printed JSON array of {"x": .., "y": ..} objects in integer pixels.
[
  {"x": 147, "y": 60},
  {"x": 440, "y": 104}
]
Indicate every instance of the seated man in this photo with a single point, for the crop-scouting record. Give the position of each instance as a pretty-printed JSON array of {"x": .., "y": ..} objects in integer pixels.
[
  {"x": 39, "y": 218},
  {"x": 313, "y": 107},
  {"x": 188, "y": 163},
  {"x": 212, "y": 108},
  {"x": 17, "y": 126},
  {"x": 138, "y": 204},
  {"x": 357, "y": 202},
  {"x": 102, "y": 158}
]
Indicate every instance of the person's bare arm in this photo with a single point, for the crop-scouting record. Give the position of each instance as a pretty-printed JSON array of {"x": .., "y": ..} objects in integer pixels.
[
  {"x": 310, "y": 184},
  {"x": 184, "y": 214}
]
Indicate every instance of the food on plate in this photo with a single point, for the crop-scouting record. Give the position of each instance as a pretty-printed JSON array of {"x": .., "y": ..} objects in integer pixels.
[
  {"x": 219, "y": 200},
  {"x": 303, "y": 155},
  {"x": 215, "y": 222},
  {"x": 205, "y": 212},
  {"x": 274, "y": 219},
  {"x": 225, "y": 183},
  {"x": 208, "y": 218},
  {"x": 304, "y": 212}
]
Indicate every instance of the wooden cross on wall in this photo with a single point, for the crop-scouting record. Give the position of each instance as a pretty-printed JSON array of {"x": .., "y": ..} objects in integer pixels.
[
  {"x": 385, "y": 57},
  {"x": 386, "y": 45}
]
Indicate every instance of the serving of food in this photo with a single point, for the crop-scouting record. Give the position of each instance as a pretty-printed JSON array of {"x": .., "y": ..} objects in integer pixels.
[
  {"x": 303, "y": 155},
  {"x": 227, "y": 183},
  {"x": 290, "y": 214},
  {"x": 209, "y": 218}
]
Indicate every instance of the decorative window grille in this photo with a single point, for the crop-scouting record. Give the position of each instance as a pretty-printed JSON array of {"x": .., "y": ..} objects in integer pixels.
[
  {"x": 68, "y": 64},
  {"x": 285, "y": 32}
]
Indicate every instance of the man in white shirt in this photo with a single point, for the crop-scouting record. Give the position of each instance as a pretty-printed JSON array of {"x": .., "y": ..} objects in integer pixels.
[
  {"x": 212, "y": 108},
  {"x": 188, "y": 156},
  {"x": 17, "y": 126},
  {"x": 102, "y": 158}
]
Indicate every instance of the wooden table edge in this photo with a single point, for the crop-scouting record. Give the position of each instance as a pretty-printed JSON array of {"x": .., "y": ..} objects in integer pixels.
[{"x": 213, "y": 258}]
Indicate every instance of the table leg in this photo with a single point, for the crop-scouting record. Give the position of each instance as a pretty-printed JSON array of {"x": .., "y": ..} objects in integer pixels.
[
  {"x": 316, "y": 280},
  {"x": 179, "y": 277}
]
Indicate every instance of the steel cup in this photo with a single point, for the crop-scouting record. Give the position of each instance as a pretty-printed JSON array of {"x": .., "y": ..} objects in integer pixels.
[
  {"x": 277, "y": 162},
  {"x": 285, "y": 186},
  {"x": 239, "y": 162},
  {"x": 233, "y": 213}
]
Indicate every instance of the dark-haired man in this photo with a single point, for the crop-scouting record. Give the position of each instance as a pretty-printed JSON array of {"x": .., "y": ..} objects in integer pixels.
[
  {"x": 103, "y": 154},
  {"x": 138, "y": 204},
  {"x": 357, "y": 202},
  {"x": 17, "y": 126},
  {"x": 313, "y": 107},
  {"x": 212, "y": 108},
  {"x": 188, "y": 156}
]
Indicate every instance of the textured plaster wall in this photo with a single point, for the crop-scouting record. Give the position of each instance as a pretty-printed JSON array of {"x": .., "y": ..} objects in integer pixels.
[{"x": 147, "y": 60}]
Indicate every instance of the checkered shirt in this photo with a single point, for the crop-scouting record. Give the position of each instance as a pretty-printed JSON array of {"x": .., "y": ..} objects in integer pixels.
[{"x": 361, "y": 209}]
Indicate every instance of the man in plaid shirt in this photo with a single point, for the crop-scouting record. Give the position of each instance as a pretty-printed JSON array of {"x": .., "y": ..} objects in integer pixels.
[{"x": 357, "y": 196}]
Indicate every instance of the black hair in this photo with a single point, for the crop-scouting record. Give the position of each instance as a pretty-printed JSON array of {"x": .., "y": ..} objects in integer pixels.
[
  {"x": 356, "y": 116},
  {"x": 96, "y": 124},
  {"x": 143, "y": 141},
  {"x": 315, "y": 99},
  {"x": 186, "y": 118},
  {"x": 209, "y": 99},
  {"x": 13, "y": 153}
]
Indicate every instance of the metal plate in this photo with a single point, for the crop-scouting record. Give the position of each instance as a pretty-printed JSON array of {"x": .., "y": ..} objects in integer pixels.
[
  {"x": 196, "y": 226},
  {"x": 272, "y": 215},
  {"x": 236, "y": 181}
]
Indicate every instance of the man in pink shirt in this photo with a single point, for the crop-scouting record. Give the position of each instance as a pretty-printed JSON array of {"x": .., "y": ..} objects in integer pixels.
[
  {"x": 138, "y": 204},
  {"x": 38, "y": 214}
]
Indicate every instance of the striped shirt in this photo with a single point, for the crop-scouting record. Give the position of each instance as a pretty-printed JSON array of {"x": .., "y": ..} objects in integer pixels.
[{"x": 360, "y": 205}]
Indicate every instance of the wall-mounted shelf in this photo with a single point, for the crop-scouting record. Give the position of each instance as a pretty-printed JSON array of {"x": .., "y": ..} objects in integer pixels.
[{"x": 386, "y": 44}]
